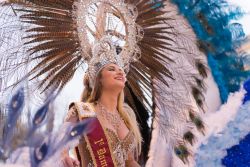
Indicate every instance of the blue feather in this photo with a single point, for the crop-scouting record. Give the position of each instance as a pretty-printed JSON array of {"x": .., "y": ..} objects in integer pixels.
[
  {"x": 79, "y": 129},
  {"x": 39, "y": 154},
  {"x": 40, "y": 115},
  {"x": 15, "y": 108},
  {"x": 39, "y": 118},
  {"x": 211, "y": 20},
  {"x": 49, "y": 148}
]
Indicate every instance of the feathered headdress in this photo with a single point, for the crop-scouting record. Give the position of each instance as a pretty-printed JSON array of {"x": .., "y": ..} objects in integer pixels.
[{"x": 60, "y": 36}]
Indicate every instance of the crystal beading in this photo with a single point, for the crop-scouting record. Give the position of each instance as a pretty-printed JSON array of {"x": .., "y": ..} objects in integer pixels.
[{"x": 101, "y": 50}]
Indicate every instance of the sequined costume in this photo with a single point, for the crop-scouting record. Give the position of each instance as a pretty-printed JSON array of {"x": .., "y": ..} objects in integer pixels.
[{"x": 122, "y": 149}]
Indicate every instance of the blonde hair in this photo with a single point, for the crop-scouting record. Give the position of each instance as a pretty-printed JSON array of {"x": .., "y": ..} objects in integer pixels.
[{"x": 127, "y": 114}]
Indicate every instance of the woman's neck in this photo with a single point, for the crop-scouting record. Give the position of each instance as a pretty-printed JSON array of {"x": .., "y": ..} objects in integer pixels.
[{"x": 109, "y": 100}]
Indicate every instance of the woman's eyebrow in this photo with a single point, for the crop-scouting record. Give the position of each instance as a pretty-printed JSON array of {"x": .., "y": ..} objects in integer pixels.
[{"x": 111, "y": 66}]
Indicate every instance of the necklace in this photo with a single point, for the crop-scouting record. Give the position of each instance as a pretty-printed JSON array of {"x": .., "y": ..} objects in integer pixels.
[{"x": 113, "y": 118}]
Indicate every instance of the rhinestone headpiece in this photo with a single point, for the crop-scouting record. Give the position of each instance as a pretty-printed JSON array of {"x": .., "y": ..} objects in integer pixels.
[
  {"x": 126, "y": 33},
  {"x": 103, "y": 53}
]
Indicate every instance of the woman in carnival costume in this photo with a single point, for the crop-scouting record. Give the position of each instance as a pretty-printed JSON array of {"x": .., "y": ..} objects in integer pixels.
[
  {"x": 114, "y": 38},
  {"x": 115, "y": 139}
]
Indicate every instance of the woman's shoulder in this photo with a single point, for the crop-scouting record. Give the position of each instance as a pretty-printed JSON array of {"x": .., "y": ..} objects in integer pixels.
[
  {"x": 84, "y": 109},
  {"x": 80, "y": 110}
]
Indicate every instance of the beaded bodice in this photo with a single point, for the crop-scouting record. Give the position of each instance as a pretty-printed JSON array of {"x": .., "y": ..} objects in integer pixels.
[{"x": 120, "y": 148}]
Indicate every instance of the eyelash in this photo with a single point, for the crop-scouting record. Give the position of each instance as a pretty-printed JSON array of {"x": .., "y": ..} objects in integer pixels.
[{"x": 111, "y": 69}]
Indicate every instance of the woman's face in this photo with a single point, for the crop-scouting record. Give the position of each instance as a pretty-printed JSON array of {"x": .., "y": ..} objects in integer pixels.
[{"x": 113, "y": 77}]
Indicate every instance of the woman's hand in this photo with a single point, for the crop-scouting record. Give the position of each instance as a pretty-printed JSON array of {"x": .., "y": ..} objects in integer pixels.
[{"x": 70, "y": 162}]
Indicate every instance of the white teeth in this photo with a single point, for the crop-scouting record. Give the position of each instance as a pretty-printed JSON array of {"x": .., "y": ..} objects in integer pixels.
[{"x": 119, "y": 78}]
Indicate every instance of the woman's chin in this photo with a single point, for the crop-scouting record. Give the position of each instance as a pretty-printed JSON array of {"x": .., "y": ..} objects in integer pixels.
[{"x": 118, "y": 85}]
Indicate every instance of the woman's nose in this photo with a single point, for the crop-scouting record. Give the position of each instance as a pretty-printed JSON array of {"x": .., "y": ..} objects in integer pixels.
[{"x": 120, "y": 72}]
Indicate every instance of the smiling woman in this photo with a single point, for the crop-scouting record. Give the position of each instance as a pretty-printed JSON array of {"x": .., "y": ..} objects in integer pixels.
[
  {"x": 113, "y": 76},
  {"x": 115, "y": 139}
]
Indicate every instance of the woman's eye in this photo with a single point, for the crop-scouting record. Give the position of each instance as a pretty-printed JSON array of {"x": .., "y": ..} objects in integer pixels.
[{"x": 111, "y": 69}]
